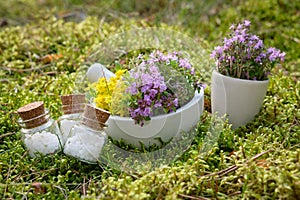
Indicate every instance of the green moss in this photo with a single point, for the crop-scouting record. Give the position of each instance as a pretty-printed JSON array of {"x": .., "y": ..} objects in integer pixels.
[{"x": 33, "y": 33}]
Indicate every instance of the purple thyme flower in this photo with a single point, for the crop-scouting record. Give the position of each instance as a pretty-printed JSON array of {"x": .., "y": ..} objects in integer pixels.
[
  {"x": 132, "y": 88},
  {"x": 148, "y": 89},
  {"x": 273, "y": 53},
  {"x": 244, "y": 52},
  {"x": 157, "y": 104},
  {"x": 257, "y": 59},
  {"x": 185, "y": 64},
  {"x": 240, "y": 26},
  {"x": 145, "y": 88},
  {"x": 213, "y": 54},
  {"x": 241, "y": 38},
  {"x": 146, "y": 112},
  {"x": 175, "y": 102},
  {"x": 147, "y": 99},
  {"x": 247, "y": 23},
  {"x": 259, "y": 44},
  {"x": 217, "y": 51},
  {"x": 170, "y": 57},
  {"x": 152, "y": 93},
  {"x": 281, "y": 56},
  {"x": 227, "y": 44},
  {"x": 270, "y": 50},
  {"x": 254, "y": 38}
]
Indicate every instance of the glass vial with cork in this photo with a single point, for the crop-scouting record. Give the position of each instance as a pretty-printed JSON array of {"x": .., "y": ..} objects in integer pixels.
[
  {"x": 72, "y": 107},
  {"x": 87, "y": 137},
  {"x": 40, "y": 133}
]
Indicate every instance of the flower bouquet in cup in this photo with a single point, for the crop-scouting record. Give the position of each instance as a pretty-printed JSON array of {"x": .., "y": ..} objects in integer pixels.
[
  {"x": 148, "y": 98},
  {"x": 244, "y": 56},
  {"x": 240, "y": 77}
]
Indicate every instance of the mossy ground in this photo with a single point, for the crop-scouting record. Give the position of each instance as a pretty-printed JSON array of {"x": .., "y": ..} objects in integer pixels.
[{"x": 258, "y": 161}]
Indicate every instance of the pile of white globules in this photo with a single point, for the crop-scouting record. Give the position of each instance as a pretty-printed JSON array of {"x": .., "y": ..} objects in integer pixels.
[
  {"x": 85, "y": 145},
  {"x": 41, "y": 142}
]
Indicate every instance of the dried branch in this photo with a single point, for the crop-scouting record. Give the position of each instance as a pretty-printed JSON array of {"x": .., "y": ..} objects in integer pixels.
[
  {"x": 235, "y": 167},
  {"x": 6, "y": 134},
  {"x": 25, "y": 70},
  {"x": 193, "y": 197}
]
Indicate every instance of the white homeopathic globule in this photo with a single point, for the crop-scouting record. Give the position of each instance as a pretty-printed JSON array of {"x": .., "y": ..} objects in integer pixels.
[
  {"x": 84, "y": 144},
  {"x": 43, "y": 142}
]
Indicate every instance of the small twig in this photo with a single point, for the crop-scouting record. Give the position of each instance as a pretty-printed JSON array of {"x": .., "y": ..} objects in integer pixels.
[
  {"x": 106, "y": 83},
  {"x": 296, "y": 145},
  {"x": 63, "y": 191},
  {"x": 101, "y": 23},
  {"x": 259, "y": 155},
  {"x": 235, "y": 193},
  {"x": 235, "y": 167},
  {"x": 6, "y": 80},
  {"x": 83, "y": 187},
  {"x": 296, "y": 121},
  {"x": 25, "y": 70},
  {"x": 50, "y": 73},
  {"x": 193, "y": 197},
  {"x": 220, "y": 172},
  {"x": 22, "y": 157},
  {"x": 252, "y": 159},
  {"x": 6, "y": 134},
  {"x": 34, "y": 173},
  {"x": 8, "y": 174},
  {"x": 243, "y": 151}
]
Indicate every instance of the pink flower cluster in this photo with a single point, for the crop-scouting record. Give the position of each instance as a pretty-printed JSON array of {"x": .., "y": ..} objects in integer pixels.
[{"x": 244, "y": 55}]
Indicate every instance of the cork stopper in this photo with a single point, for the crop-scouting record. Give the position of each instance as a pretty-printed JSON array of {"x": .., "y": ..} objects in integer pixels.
[
  {"x": 73, "y": 103},
  {"x": 33, "y": 114},
  {"x": 95, "y": 117}
]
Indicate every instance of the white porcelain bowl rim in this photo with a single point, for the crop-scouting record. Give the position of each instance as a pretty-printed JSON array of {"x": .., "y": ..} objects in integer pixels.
[
  {"x": 241, "y": 80},
  {"x": 196, "y": 97},
  {"x": 153, "y": 127}
]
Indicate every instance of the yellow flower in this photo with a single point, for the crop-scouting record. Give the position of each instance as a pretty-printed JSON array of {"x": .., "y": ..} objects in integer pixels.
[{"x": 105, "y": 88}]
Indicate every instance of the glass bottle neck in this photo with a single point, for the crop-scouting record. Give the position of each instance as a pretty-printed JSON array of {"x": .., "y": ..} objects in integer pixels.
[
  {"x": 92, "y": 124},
  {"x": 71, "y": 116},
  {"x": 38, "y": 128},
  {"x": 35, "y": 122}
]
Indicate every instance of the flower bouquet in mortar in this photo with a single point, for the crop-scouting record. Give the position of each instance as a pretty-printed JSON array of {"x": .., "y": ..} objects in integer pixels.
[
  {"x": 157, "y": 98},
  {"x": 240, "y": 77}
]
